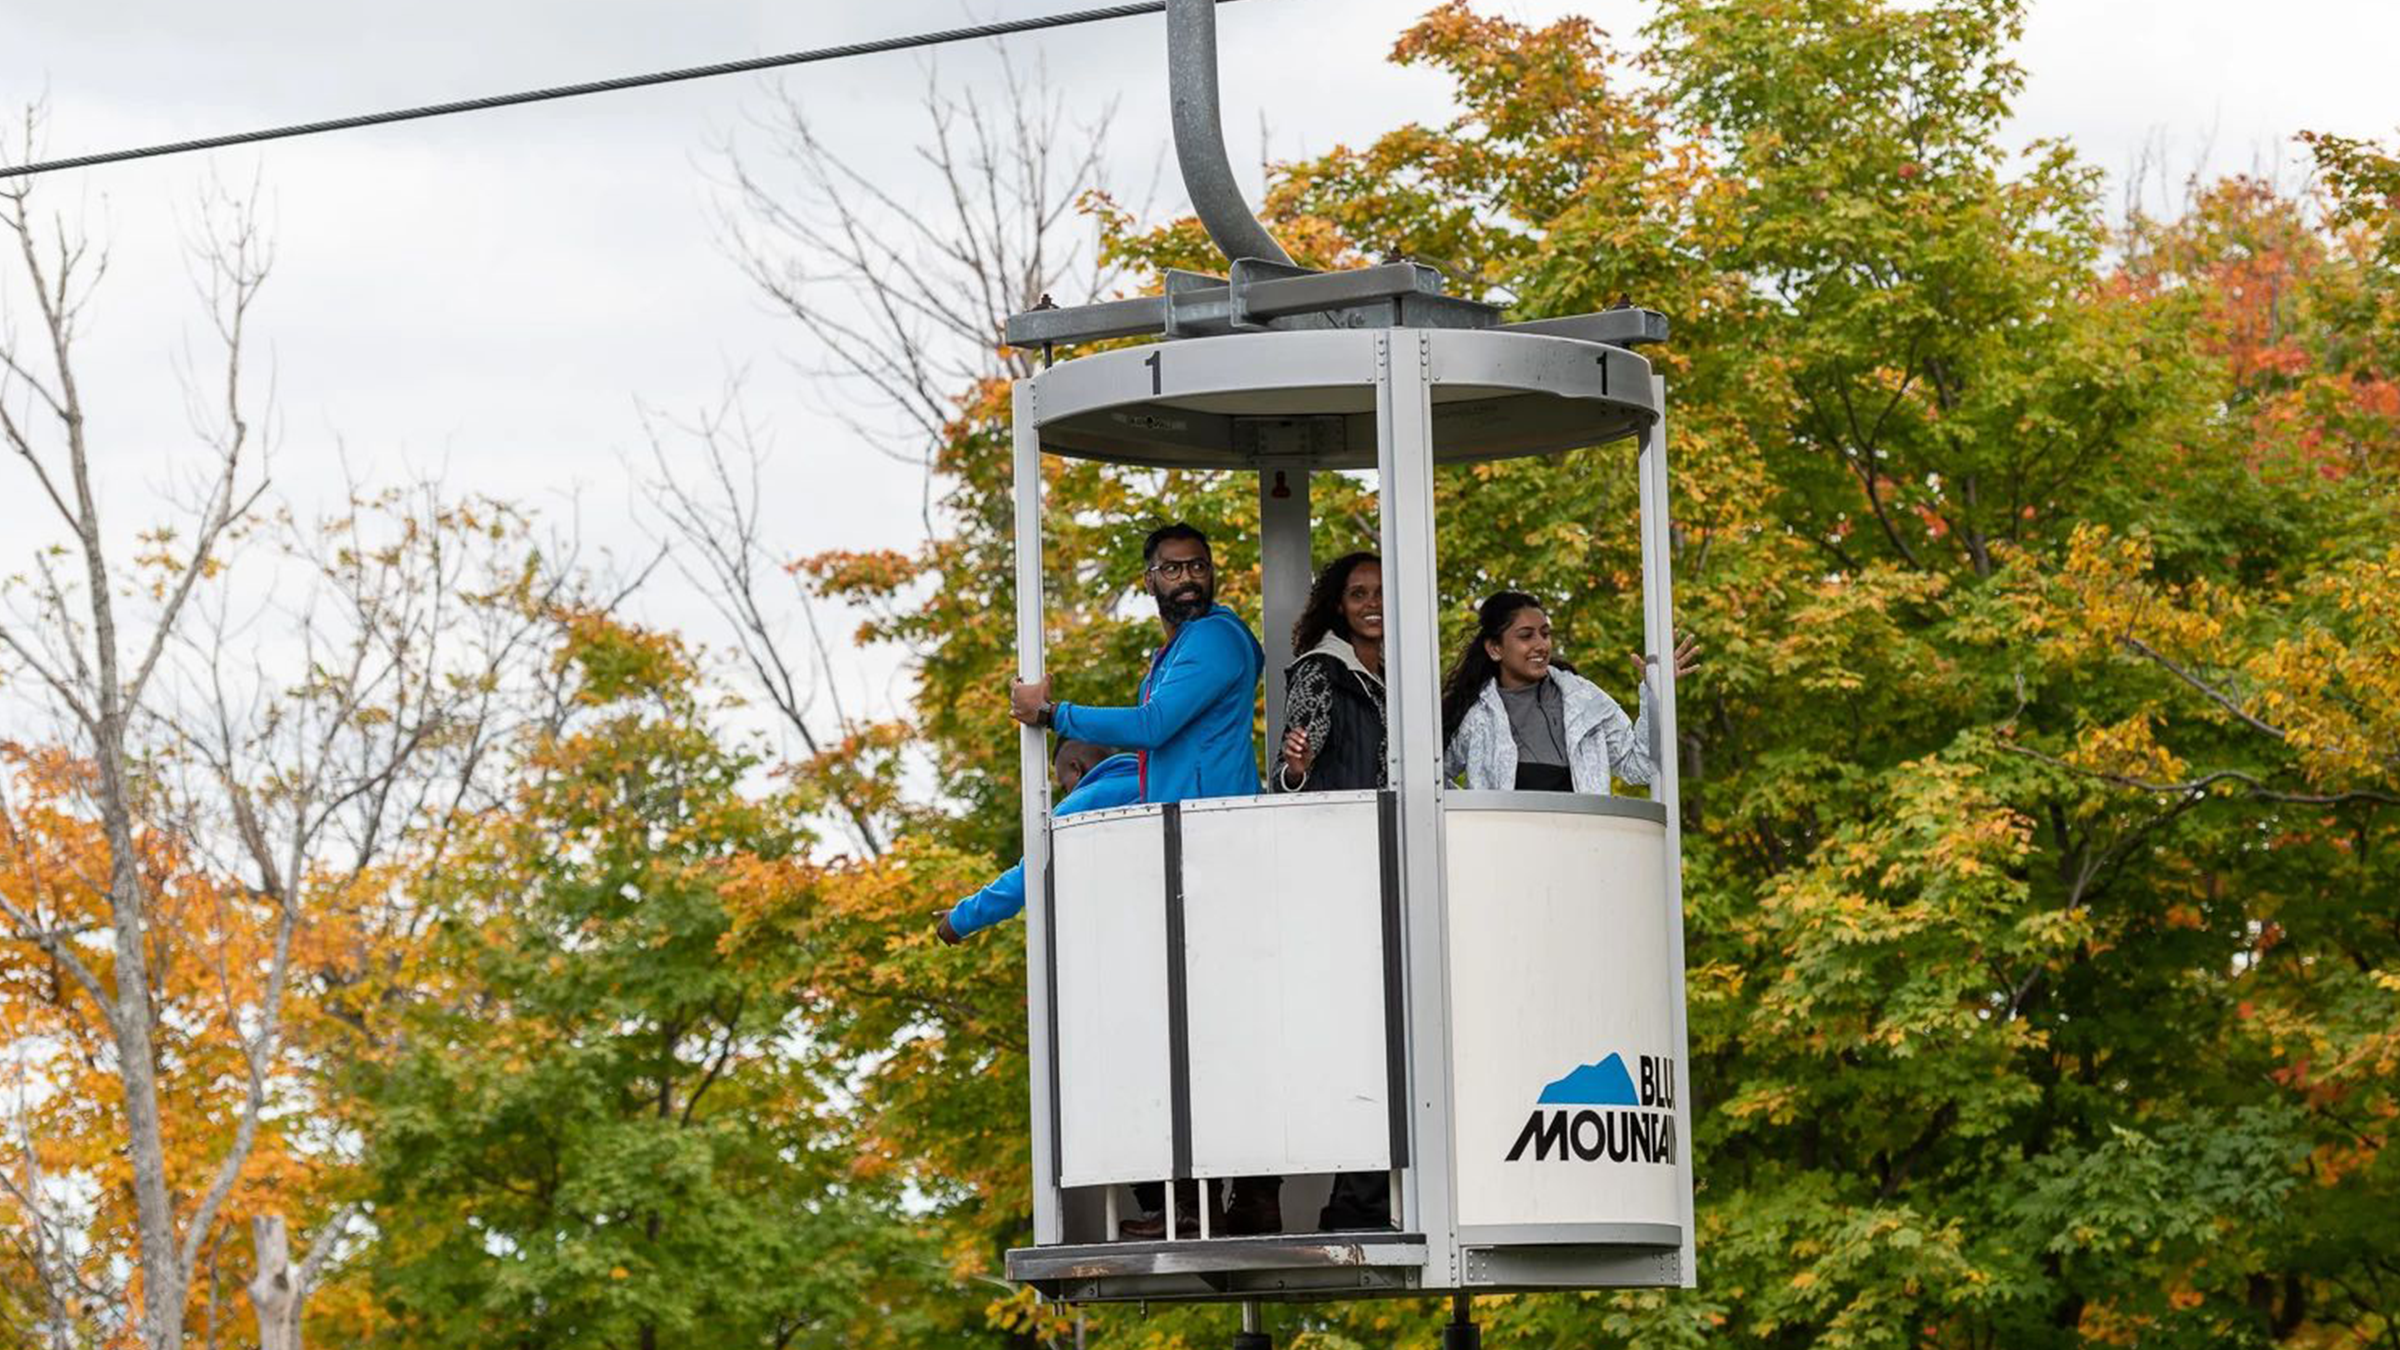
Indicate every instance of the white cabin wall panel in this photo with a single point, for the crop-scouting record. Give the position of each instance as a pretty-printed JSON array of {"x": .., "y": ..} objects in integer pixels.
[
  {"x": 1562, "y": 980},
  {"x": 1283, "y": 932},
  {"x": 1115, "y": 1120}
]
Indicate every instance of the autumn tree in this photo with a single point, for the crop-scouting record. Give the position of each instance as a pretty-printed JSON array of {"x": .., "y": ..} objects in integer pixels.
[
  {"x": 225, "y": 726},
  {"x": 2037, "y": 792},
  {"x": 593, "y": 1129}
]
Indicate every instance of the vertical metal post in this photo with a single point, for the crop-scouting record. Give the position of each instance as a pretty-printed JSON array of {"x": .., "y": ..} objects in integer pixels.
[
  {"x": 1284, "y": 571},
  {"x": 1462, "y": 1333},
  {"x": 1412, "y": 668},
  {"x": 1658, "y": 639},
  {"x": 1034, "y": 772},
  {"x": 1253, "y": 1335}
]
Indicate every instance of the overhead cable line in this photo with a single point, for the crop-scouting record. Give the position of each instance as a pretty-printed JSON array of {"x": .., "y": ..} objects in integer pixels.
[{"x": 1002, "y": 28}]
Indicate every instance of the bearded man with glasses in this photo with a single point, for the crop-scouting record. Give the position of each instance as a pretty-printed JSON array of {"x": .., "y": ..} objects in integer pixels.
[
  {"x": 1192, "y": 724},
  {"x": 1191, "y": 728}
]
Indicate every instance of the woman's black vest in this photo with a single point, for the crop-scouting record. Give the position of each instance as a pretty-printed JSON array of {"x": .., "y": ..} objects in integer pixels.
[{"x": 1353, "y": 753}]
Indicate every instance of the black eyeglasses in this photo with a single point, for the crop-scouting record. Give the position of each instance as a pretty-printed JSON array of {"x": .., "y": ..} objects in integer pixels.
[{"x": 1196, "y": 568}]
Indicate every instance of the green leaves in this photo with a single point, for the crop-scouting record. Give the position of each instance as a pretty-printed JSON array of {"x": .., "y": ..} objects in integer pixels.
[
  {"x": 2042, "y": 983},
  {"x": 598, "y": 1131}
]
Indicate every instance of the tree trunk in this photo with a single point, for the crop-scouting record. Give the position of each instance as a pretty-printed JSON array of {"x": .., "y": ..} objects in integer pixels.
[
  {"x": 274, "y": 1290},
  {"x": 145, "y": 1141}
]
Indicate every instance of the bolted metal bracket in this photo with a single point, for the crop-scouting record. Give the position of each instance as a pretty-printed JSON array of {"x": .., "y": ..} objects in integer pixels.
[{"x": 1264, "y": 296}]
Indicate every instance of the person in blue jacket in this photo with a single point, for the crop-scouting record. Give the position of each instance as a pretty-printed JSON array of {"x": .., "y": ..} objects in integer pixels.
[
  {"x": 1192, "y": 729},
  {"x": 1090, "y": 778},
  {"x": 1192, "y": 726}
]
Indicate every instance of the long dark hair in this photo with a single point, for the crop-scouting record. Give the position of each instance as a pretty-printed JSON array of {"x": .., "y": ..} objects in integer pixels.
[
  {"x": 1323, "y": 612},
  {"x": 1475, "y": 666}
]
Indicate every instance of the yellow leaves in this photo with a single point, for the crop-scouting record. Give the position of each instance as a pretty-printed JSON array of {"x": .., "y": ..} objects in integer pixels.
[
  {"x": 2333, "y": 687},
  {"x": 2110, "y": 595},
  {"x": 618, "y": 660},
  {"x": 1776, "y": 1104},
  {"x": 2312, "y": 672},
  {"x": 1846, "y": 635},
  {"x": 858, "y": 574},
  {"x": 1716, "y": 980},
  {"x": 2058, "y": 929},
  {"x": 2103, "y": 578},
  {"x": 1021, "y": 1312},
  {"x": 762, "y": 894},
  {"x": 2127, "y": 749}
]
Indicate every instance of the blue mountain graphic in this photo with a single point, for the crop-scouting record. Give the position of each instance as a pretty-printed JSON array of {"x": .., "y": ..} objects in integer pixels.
[{"x": 1603, "y": 1084}]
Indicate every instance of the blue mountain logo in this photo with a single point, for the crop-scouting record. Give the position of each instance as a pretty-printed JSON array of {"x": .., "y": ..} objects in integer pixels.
[
  {"x": 1606, "y": 1083},
  {"x": 1582, "y": 1117}
]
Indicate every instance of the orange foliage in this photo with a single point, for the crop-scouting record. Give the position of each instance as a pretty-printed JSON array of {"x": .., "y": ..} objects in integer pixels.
[
  {"x": 210, "y": 946},
  {"x": 2280, "y": 300}
]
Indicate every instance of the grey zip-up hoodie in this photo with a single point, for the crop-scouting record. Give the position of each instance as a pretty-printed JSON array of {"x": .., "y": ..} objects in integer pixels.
[{"x": 1600, "y": 739}]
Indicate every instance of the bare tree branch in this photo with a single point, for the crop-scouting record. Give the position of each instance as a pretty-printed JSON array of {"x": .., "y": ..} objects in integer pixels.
[
  {"x": 52, "y": 942},
  {"x": 721, "y": 530},
  {"x": 903, "y": 305},
  {"x": 2255, "y": 787},
  {"x": 2213, "y": 694}
]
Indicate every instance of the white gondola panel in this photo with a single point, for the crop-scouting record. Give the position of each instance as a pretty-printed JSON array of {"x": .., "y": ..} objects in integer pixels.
[
  {"x": 1284, "y": 948},
  {"x": 1114, "y": 1120},
  {"x": 1562, "y": 1022}
]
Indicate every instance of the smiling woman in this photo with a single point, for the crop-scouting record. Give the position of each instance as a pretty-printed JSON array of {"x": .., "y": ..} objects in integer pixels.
[
  {"x": 1516, "y": 719},
  {"x": 1334, "y": 738}
]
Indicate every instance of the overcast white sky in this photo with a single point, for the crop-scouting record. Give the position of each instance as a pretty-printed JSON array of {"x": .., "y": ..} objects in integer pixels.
[{"x": 493, "y": 293}]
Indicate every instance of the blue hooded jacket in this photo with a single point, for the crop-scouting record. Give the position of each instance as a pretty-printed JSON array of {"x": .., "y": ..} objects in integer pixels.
[
  {"x": 1194, "y": 725},
  {"x": 1114, "y": 781}
]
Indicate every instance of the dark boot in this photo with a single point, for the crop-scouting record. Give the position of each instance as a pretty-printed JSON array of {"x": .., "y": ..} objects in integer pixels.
[
  {"x": 1151, "y": 1226},
  {"x": 1257, "y": 1207}
]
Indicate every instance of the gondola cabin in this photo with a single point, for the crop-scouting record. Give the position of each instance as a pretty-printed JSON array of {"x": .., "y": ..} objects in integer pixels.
[{"x": 1477, "y": 995}]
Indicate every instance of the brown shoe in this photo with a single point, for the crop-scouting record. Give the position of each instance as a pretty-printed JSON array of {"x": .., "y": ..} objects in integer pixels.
[
  {"x": 1257, "y": 1207},
  {"x": 1152, "y": 1227}
]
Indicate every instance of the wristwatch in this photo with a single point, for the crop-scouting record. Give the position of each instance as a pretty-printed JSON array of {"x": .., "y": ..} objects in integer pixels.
[{"x": 1048, "y": 715}]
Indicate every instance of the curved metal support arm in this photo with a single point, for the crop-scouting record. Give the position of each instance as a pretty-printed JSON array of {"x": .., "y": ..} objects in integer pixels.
[{"x": 1200, "y": 136}]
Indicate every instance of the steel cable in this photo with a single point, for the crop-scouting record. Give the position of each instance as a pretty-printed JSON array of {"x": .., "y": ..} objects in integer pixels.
[{"x": 1003, "y": 28}]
